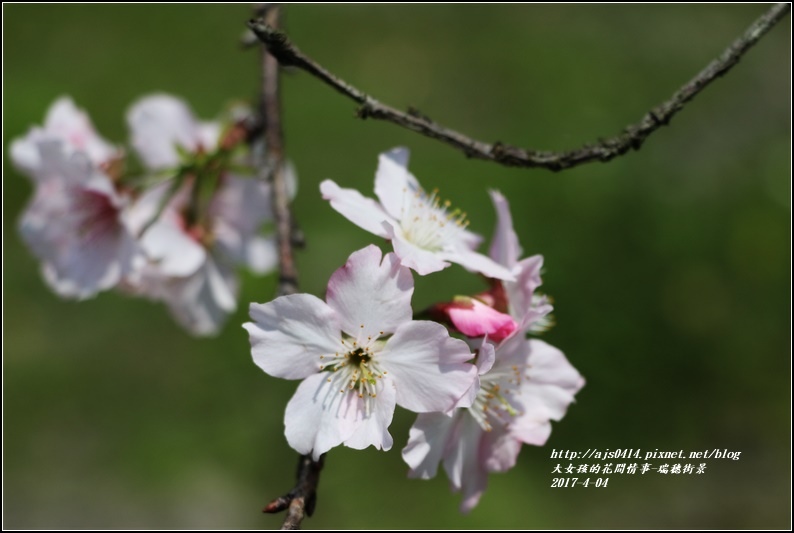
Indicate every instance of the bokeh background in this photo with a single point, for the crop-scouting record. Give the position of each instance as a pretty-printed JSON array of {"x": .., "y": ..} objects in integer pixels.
[{"x": 669, "y": 267}]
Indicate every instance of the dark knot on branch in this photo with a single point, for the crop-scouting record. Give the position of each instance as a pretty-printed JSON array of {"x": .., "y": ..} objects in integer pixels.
[{"x": 276, "y": 41}]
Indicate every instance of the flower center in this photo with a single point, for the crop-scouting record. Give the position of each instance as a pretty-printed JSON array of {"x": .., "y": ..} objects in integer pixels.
[
  {"x": 496, "y": 402},
  {"x": 355, "y": 368},
  {"x": 427, "y": 222},
  {"x": 95, "y": 215}
]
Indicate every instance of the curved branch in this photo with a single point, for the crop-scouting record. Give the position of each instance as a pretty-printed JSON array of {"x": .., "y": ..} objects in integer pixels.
[{"x": 603, "y": 150}]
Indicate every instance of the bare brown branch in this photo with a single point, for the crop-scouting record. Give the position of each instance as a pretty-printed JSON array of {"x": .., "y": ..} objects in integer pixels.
[
  {"x": 270, "y": 111},
  {"x": 298, "y": 502},
  {"x": 632, "y": 137}
]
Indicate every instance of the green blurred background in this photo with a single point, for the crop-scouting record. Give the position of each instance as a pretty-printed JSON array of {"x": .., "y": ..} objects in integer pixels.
[{"x": 669, "y": 267}]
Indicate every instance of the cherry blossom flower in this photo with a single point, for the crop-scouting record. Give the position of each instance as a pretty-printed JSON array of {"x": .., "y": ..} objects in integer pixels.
[
  {"x": 162, "y": 125},
  {"x": 75, "y": 223},
  {"x": 191, "y": 264},
  {"x": 69, "y": 126},
  {"x": 358, "y": 353},
  {"x": 195, "y": 236},
  {"x": 524, "y": 384},
  {"x": 426, "y": 235}
]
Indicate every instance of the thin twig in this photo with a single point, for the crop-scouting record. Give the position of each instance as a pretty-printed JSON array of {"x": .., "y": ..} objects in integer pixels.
[
  {"x": 300, "y": 501},
  {"x": 270, "y": 111},
  {"x": 603, "y": 150}
]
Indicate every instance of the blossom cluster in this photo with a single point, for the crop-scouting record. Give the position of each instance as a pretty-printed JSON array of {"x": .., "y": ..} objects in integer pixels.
[
  {"x": 482, "y": 387},
  {"x": 175, "y": 231}
]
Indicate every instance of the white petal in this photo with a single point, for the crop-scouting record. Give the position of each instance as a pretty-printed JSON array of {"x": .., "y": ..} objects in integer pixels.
[
  {"x": 364, "y": 212},
  {"x": 25, "y": 154},
  {"x": 208, "y": 135},
  {"x": 393, "y": 182},
  {"x": 370, "y": 296},
  {"x": 77, "y": 232},
  {"x": 428, "y": 366},
  {"x": 242, "y": 204},
  {"x": 463, "y": 464},
  {"x": 319, "y": 417},
  {"x": 202, "y": 302},
  {"x": 224, "y": 290},
  {"x": 82, "y": 269},
  {"x": 478, "y": 263},
  {"x": 176, "y": 253},
  {"x": 261, "y": 255},
  {"x": 58, "y": 164},
  {"x": 428, "y": 439},
  {"x": 531, "y": 431},
  {"x": 549, "y": 365},
  {"x": 500, "y": 450},
  {"x": 421, "y": 261},
  {"x": 291, "y": 179},
  {"x": 373, "y": 429},
  {"x": 158, "y": 124},
  {"x": 519, "y": 293},
  {"x": 505, "y": 248},
  {"x": 238, "y": 211},
  {"x": 289, "y": 334},
  {"x": 552, "y": 383},
  {"x": 68, "y": 123},
  {"x": 486, "y": 356},
  {"x": 141, "y": 211}
]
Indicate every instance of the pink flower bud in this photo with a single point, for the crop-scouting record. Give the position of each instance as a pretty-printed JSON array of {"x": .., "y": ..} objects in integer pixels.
[{"x": 475, "y": 319}]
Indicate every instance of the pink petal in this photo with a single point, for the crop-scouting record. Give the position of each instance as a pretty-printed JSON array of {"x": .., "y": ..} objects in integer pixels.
[
  {"x": 363, "y": 212},
  {"x": 428, "y": 439},
  {"x": 319, "y": 417},
  {"x": 393, "y": 181},
  {"x": 475, "y": 319},
  {"x": 428, "y": 366},
  {"x": 505, "y": 248},
  {"x": 373, "y": 430},
  {"x": 370, "y": 296},
  {"x": 289, "y": 334}
]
